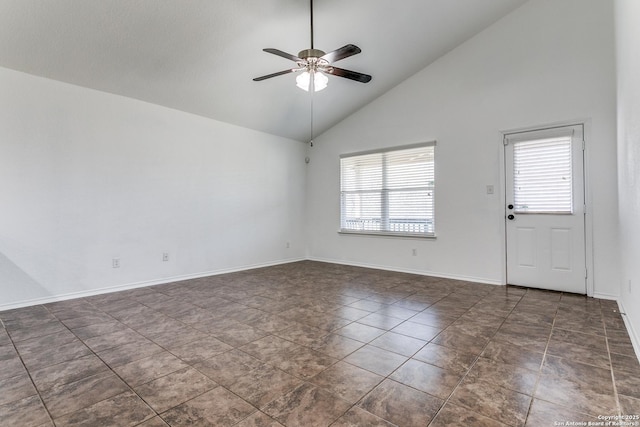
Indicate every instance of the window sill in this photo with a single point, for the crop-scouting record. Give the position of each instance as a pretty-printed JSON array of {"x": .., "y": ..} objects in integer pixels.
[{"x": 387, "y": 234}]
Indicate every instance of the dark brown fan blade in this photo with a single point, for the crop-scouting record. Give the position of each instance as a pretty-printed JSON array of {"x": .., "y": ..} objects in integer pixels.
[
  {"x": 353, "y": 75},
  {"x": 343, "y": 52},
  {"x": 283, "y": 54},
  {"x": 268, "y": 76}
]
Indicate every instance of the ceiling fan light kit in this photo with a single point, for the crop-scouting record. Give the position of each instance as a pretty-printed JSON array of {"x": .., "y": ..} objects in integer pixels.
[
  {"x": 316, "y": 84},
  {"x": 315, "y": 65}
]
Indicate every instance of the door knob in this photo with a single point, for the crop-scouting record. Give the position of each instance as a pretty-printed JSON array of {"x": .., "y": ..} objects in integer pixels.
[{"x": 511, "y": 217}]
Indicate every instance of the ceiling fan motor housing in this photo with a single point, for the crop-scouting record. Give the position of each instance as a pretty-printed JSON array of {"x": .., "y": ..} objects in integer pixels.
[{"x": 311, "y": 53}]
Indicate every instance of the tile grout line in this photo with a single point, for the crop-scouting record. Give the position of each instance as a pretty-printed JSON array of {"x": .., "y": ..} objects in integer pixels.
[
  {"x": 192, "y": 367},
  {"x": 554, "y": 327},
  {"x": 29, "y": 374},
  {"x": 409, "y": 358},
  {"x": 613, "y": 375},
  {"x": 474, "y": 363},
  {"x": 159, "y": 414},
  {"x": 388, "y": 376},
  {"x": 105, "y": 363},
  {"x": 338, "y": 361},
  {"x": 544, "y": 358},
  {"x": 229, "y": 390},
  {"x": 234, "y": 348},
  {"x": 384, "y": 378}
]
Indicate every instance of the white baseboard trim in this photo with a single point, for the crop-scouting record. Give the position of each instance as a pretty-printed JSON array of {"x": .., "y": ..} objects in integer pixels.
[
  {"x": 165, "y": 280},
  {"x": 142, "y": 284},
  {"x": 605, "y": 296},
  {"x": 634, "y": 336},
  {"x": 411, "y": 271}
]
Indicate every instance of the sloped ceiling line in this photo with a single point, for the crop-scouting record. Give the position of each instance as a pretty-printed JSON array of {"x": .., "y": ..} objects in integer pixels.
[{"x": 200, "y": 56}]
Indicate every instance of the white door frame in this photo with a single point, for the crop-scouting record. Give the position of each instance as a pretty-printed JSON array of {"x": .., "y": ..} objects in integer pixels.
[{"x": 588, "y": 220}]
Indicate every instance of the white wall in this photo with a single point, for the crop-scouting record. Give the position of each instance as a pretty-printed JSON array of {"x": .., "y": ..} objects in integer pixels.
[
  {"x": 628, "y": 69},
  {"x": 87, "y": 176},
  {"x": 549, "y": 61}
]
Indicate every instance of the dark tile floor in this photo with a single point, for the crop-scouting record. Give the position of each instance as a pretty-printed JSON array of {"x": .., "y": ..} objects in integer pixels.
[{"x": 314, "y": 344}]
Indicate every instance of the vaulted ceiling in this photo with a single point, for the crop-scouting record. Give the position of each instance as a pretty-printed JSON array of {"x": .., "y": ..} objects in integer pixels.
[{"x": 200, "y": 56}]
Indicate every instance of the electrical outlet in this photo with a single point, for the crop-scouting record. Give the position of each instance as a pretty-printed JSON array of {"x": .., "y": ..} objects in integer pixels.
[
  {"x": 490, "y": 189},
  {"x": 288, "y": 245},
  {"x": 115, "y": 263},
  {"x": 165, "y": 256},
  {"x": 414, "y": 252}
]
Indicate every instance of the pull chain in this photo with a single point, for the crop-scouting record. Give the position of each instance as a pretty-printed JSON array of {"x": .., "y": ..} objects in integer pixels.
[
  {"x": 311, "y": 92},
  {"x": 311, "y": 130}
]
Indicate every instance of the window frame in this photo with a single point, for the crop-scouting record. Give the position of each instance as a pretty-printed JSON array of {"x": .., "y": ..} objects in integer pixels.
[{"x": 384, "y": 202}]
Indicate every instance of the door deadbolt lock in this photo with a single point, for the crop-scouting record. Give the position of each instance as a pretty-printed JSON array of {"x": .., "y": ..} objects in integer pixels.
[{"x": 510, "y": 206}]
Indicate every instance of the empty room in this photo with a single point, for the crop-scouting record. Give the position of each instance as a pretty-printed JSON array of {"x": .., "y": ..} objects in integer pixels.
[{"x": 319, "y": 213}]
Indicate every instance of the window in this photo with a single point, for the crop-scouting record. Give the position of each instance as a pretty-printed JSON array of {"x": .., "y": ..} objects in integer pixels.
[
  {"x": 542, "y": 176},
  {"x": 389, "y": 191}
]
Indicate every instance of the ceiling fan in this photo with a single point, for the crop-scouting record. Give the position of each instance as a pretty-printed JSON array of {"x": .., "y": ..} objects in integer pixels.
[{"x": 315, "y": 64}]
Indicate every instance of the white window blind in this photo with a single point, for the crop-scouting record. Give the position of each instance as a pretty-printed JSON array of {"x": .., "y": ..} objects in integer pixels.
[
  {"x": 542, "y": 176},
  {"x": 390, "y": 192}
]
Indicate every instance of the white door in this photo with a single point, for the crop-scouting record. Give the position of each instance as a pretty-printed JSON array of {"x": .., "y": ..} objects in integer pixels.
[{"x": 545, "y": 223}]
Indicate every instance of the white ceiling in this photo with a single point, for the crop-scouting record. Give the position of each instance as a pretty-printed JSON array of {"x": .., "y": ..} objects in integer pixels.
[{"x": 200, "y": 56}]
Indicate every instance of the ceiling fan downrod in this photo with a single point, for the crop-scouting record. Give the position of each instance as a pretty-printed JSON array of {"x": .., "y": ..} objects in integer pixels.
[
  {"x": 311, "y": 15},
  {"x": 307, "y": 54}
]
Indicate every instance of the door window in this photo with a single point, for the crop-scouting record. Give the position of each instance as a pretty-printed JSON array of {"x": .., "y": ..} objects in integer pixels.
[{"x": 542, "y": 176}]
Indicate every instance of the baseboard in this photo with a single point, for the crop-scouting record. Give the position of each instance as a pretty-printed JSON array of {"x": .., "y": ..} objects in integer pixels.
[
  {"x": 410, "y": 271},
  {"x": 142, "y": 284},
  {"x": 633, "y": 333},
  {"x": 165, "y": 280},
  {"x": 606, "y": 296}
]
